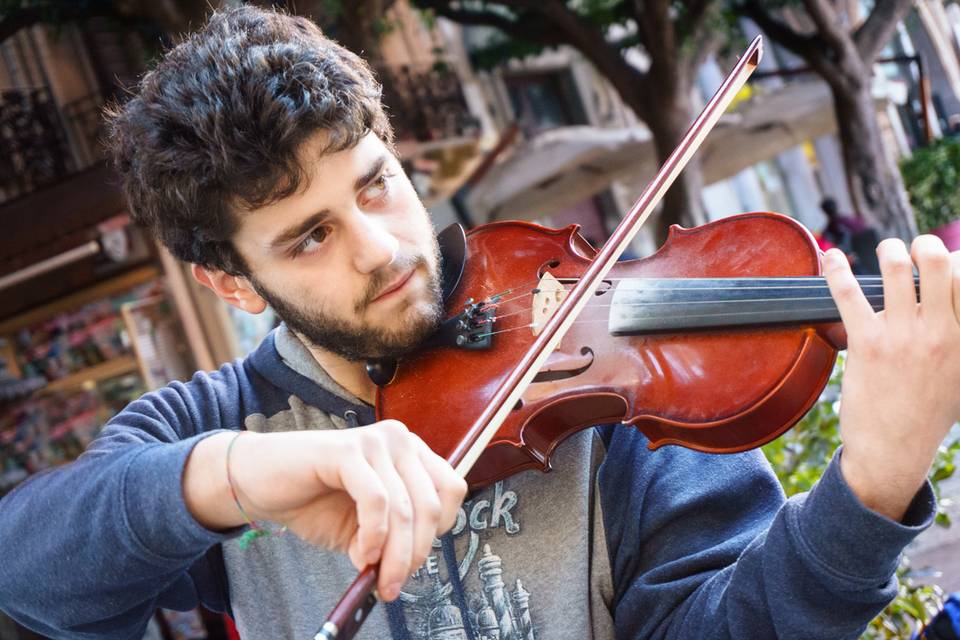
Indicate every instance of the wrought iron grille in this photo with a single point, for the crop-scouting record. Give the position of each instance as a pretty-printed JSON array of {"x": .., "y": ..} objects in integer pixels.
[
  {"x": 35, "y": 151},
  {"x": 85, "y": 127},
  {"x": 38, "y": 145}
]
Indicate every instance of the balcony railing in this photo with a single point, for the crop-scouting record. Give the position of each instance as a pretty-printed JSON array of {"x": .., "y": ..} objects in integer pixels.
[
  {"x": 425, "y": 103},
  {"x": 84, "y": 121},
  {"x": 33, "y": 142},
  {"x": 40, "y": 145}
]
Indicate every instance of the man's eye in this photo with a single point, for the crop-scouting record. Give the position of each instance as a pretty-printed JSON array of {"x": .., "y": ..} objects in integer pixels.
[
  {"x": 316, "y": 236},
  {"x": 378, "y": 188}
]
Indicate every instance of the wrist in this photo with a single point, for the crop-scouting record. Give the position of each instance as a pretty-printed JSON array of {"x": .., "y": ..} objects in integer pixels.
[
  {"x": 885, "y": 488},
  {"x": 206, "y": 490}
]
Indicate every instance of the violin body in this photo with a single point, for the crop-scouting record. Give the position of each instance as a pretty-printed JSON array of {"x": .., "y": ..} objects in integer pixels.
[{"x": 718, "y": 391}]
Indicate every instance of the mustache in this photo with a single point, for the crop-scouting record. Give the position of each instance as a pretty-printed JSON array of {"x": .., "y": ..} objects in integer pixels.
[{"x": 380, "y": 280}]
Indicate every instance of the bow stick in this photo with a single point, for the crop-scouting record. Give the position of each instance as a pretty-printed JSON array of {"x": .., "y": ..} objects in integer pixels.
[{"x": 345, "y": 619}]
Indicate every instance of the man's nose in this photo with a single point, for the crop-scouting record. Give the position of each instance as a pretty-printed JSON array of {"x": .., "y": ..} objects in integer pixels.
[{"x": 374, "y": 246}]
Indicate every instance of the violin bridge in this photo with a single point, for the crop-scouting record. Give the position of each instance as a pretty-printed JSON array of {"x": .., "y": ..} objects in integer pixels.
[{"x": 550, "y": 292}]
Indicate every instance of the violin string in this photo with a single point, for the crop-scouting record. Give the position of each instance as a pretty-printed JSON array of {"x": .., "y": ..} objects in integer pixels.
[
  {"x": 878, "y": 296},
  {"x": 869, "y": 296},
  {"x": 873, "y": 299},
  {"x": 725, "y": 314},
  {"x": 530, "y": 325},
  {"x": 499, "y": 317},
  {"x": 500, "y": 303},
  {"x": 868, "y": 284},
  {"x": 864, "y": 285},
  {"x": 821, "y": 285},
  {"x": 863, "y": 280},
  {"x": 605, "y": 320},
  {"x": 494, "y": 298}
]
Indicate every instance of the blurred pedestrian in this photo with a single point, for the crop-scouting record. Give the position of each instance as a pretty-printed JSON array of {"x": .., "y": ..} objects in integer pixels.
[{"x": 853, "y": 236}]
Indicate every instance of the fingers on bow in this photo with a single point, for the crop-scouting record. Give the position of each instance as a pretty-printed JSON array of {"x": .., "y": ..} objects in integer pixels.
[{"x": 418, "y": 498}]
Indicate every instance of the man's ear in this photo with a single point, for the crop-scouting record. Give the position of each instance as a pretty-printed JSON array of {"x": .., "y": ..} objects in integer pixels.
[{"x": 234, "y": 290}]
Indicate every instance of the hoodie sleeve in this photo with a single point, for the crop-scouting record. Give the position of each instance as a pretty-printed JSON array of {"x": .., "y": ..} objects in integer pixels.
[
  {"x": 705, "y": 546},
  {"x": 91, "y": 549}
]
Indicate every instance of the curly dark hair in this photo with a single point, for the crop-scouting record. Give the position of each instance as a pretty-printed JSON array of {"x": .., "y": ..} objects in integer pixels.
[{"x": 215, "y": 128}]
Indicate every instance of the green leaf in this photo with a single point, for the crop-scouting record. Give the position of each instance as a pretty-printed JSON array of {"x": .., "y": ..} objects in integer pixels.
[{"x": 932, "y": 178}]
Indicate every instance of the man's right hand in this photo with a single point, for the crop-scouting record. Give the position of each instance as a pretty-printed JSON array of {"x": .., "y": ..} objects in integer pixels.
[{"x": 376, "y": 492}]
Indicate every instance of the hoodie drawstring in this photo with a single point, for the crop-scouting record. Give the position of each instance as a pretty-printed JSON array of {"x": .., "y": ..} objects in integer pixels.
[
  {"x": 397, "y": 620},
  {"x": 453, "y": 571}
]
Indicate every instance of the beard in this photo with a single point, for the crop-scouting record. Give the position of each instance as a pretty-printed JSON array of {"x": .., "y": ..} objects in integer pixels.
[{"x": 341, "y": 337}]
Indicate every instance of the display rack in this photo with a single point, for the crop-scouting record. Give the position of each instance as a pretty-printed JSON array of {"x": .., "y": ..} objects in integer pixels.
[
  {"x": 158, "y": 341},
  {"x": 118, "y": 284},
  {"x": 79, "y": 343},
  {"x": 88, "y": 377},
  {"x": 99, "y": 349}
]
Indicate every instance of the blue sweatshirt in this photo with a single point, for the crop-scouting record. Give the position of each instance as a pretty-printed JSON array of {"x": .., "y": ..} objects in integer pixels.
[{"x": 617, "y": 542}]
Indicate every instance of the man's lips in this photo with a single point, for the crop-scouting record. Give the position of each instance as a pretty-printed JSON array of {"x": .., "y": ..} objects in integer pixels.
[{"x": 395, "y": 286}]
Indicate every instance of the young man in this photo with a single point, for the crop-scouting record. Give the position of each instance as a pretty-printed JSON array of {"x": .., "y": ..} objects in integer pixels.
[{"x": 259, "y": 152}]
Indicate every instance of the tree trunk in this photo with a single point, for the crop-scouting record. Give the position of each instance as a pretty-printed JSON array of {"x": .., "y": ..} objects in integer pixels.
[
  {"x": 662, "y": 99},
  {"x": 669, "y": 117},
  {"x": 876, "y": 186}
]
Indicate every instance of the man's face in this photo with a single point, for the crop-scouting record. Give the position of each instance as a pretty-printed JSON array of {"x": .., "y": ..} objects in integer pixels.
[{"x": 351, "y": 263}]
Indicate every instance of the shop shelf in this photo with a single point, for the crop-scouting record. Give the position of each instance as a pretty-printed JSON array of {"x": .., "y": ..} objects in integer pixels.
[{"x": 109, "y": 369}]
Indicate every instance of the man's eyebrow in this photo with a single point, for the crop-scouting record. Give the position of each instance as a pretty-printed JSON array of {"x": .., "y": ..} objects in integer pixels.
[
  {"x": 371, "y": 173},
  {"x": 294, "y": 231}
]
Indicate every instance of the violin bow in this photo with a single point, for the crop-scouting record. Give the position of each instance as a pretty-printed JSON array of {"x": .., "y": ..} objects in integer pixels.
[{"x": 348, "y": 615}]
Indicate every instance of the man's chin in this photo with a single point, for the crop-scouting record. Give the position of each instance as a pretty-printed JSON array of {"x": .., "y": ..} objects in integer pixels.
[
  {"x": 371, "y": 342},
  {"x": 395, "y": 345},
  {"x": 378, "y": 333}
]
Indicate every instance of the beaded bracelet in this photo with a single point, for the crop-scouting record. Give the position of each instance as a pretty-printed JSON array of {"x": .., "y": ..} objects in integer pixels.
[{"x": 256, "y": 530}]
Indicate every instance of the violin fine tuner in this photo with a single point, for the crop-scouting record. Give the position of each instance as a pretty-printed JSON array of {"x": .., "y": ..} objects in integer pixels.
[{"x": 471, "y": 329}]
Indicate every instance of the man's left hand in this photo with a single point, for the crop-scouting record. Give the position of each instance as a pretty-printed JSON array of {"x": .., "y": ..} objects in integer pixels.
[{"x": 901, "y": 386}]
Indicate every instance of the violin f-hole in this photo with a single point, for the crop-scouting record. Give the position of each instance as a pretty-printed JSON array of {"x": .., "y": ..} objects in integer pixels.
[
  {"x": 561, "y": 366},
  {"x": 550, "y": 264}
]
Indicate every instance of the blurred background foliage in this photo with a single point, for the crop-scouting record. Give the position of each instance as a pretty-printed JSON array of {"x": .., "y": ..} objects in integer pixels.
[
  {"x": 799, "y": 458},
  {"x": 932, "y": 178}
]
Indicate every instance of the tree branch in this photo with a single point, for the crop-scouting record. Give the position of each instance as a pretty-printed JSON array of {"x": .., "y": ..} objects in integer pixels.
[
  {"x": 697, "y": 40},
  {"x": 553, "y": 23},
  {"x": 827, "y": 21},
  {"x": 13, "y": 21},
  {"x": 581, "y": 34},
  {"x": 697, "y": 11},
  {"x": 656, "y": 28},
  {"x": 706, "y": 43},
  {"x": 520, "y": 28},
  {"x": 632, "y": 85},
  {"x": 879, "y": 26},
  {"x": 806, "y": 46}
]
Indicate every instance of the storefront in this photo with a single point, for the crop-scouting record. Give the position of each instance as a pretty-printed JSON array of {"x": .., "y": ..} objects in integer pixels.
[{"x": 92, "y": 315}]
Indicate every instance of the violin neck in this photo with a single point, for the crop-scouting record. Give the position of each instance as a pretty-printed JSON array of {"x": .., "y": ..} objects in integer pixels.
[{"x": 645, "y": 305}]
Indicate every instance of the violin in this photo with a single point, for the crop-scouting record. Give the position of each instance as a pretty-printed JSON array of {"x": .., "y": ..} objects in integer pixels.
[{"x": 720, "y": 341}]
